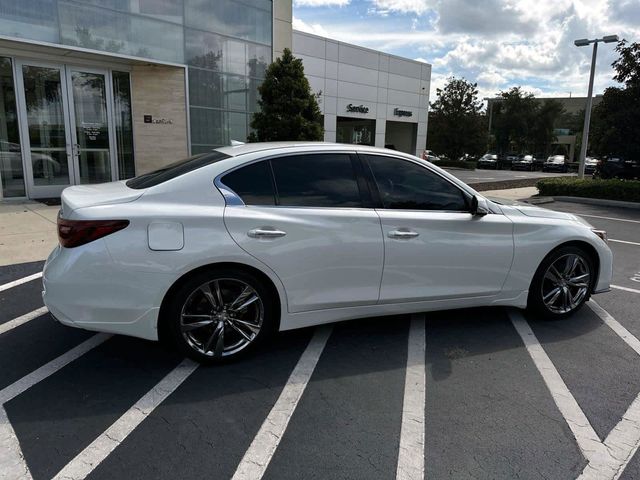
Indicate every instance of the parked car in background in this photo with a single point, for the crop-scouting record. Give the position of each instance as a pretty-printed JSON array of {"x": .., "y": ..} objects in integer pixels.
[
  {"x": 590, "y": 164},
  {"x": 488, "y": 160},
  {"x": 507, "y": 161},
  {"x": 556, "y": 163},
  {"x": 430, "y": 156},
  {"x": 524, "y": 162},
  {"x": 617, "y": 167},
  {"x": 215, "y": 253},
  {"x": 468, "y": 158}
]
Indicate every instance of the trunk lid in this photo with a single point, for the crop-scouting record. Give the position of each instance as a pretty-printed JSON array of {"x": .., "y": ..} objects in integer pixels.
[{"x": 80, "y": 196}]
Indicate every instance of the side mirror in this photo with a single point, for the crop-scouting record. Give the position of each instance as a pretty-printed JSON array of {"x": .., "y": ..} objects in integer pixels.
[{"x": 475, "y": 208}]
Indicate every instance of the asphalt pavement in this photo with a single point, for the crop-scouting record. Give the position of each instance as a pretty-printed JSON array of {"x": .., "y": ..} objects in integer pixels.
[{"x": 469, "y": 394}]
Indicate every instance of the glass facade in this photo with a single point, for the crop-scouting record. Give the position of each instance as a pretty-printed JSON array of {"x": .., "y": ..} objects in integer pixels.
[
  {"x": 10, "y": 151},
  {"x": 226, "y": 44}
]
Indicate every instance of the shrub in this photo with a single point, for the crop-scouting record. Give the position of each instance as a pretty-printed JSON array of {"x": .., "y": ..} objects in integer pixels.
[
  {"x": 613, "y": 189},
  {"x": 455, "y": 163}
]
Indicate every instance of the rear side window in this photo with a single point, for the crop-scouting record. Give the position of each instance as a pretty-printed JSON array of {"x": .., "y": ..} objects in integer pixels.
[
  {"x": 405, "y": 185},
  {"x": 174, "y": 170},
  {"x": 318, "y": 180},
  {"x": 252, "y": 183}
]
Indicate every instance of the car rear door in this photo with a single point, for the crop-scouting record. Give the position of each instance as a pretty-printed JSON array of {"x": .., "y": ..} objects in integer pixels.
[
  {"x": 305, "y": 217},
  {"x": 434, "y": 248}
]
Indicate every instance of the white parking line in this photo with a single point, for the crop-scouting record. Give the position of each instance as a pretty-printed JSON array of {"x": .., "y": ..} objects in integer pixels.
[
  {"x": 20, "y": 281},
  {"x": 87, "y": 460},
  {"x": 257, "y": 457},
  {"x": 626, "y": 289},
  {"x": 588, "y": 441},
  {"x": 624, "y": 241},
  {"x": 27, "y": 317},
  {"x": 608, "y": 218},
  {"x": 623, "y": 441},
  {"x": 411, "y": 453},
  {"x": 12, "y": 463}
]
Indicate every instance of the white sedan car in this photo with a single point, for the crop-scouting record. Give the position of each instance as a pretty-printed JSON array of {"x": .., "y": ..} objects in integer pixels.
[{"x": 216, "y": 252}]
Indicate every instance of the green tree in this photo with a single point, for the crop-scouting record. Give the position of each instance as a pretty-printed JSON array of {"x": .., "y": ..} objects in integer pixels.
[
  {"x": 523, "y": 124},
  {"x": 288, "y": 108},
  {"x": 456, "y": 125},
  {"x": 615, "y": 127}
]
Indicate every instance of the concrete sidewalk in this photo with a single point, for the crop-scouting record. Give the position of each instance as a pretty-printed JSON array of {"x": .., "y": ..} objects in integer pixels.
[{"x": 27, "y": 231}]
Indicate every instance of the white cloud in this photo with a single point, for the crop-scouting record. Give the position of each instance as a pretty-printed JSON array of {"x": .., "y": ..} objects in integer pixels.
[
  {"x": 314, "y": 28},
  {"x": 496, "y": 43},
  {"x": 321, "y": 3},
  {"x": 403, "y": 6}
]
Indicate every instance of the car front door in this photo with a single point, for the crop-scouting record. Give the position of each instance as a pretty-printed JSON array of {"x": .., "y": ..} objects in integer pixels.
[
  {"x": 434, "y": 248},
  {"x": 303, "y": 216}
]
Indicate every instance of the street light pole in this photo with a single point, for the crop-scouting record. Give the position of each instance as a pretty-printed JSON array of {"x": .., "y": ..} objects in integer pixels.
[{"x": 587, "y": 113}]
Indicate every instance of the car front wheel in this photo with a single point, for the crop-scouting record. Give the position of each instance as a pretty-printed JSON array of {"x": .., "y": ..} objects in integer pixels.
[
  {"x": 562, "y": 283},
  {"x": 219, "y": 315}
]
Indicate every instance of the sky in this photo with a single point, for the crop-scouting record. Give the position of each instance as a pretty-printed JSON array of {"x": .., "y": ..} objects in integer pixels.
[{"x": 496, "y": 43}]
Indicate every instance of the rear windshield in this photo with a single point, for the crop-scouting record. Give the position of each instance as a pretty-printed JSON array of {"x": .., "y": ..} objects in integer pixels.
[{"x": 174, "y": 170}]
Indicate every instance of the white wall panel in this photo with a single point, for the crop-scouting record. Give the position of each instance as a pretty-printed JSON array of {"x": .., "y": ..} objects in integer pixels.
[
  {"x": 357, "y": 91},
  {"x": 352, "y": 73},
  {"x": 394, "y": 97},
  {"x": 357, "y": 56}
]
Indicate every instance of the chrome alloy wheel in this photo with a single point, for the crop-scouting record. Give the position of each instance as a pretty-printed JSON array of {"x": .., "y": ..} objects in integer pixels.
[
  {"x": 566, "y": 283},
  {"x": 221, "y": 317}
]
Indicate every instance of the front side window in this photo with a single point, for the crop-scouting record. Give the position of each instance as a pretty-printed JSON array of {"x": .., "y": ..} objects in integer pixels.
[
  {"x": 318, "y": 180},
  {"x": 405, "y": 185}
]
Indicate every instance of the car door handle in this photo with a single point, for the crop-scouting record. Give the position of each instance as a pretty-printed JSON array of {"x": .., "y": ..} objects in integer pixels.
[
  {"x": 406, "y": 234},
  {"x": 266, "y": 232}
]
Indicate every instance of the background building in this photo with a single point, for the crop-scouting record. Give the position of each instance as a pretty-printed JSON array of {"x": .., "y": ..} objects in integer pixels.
[
  {"x": 568, "y": 126},
  {"x": 368, "y": 97},
  {"x": 99, "y": 91}
]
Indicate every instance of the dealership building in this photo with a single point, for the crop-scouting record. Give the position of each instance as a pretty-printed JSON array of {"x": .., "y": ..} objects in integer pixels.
[{"x": 99, "y": 91}]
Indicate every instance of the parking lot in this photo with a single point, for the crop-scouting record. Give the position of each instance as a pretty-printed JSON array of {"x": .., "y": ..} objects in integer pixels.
[
  {"x": 483, "y": 176},
  {"x": 466, "y": 394}
]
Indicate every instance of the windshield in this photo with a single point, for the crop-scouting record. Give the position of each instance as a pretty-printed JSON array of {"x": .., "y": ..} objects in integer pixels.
[{"x": 174, "y": 170}]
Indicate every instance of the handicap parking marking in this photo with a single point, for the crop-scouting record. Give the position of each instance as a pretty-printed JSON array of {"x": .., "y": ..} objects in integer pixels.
[
  {"x": 20, "y": 281},
  {"x": 87, "y": 460},
  {"x": 412, "y": 430},
  {"x": 21, "y": 320},
  {"x": 256, "y": 459},
  {"x": 12, "y": 461}
]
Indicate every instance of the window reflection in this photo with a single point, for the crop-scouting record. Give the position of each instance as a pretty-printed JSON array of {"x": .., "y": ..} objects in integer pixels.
[
  {"x": 10, "y": 153},
  {"x": 45, "y": 118},
  {"x": 124, "y": 124},
  {"x": 107, "y": 30}
]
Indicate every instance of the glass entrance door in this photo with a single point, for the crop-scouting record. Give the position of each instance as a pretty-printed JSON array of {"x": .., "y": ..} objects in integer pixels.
[
  {"x": 45, "y": 126},
  {"x": 91, "y": 135},
  {"x": 66, "y": 117}
]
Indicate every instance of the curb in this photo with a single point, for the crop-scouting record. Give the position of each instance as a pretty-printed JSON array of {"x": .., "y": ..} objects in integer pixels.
[{"x": 599, "y": 201}]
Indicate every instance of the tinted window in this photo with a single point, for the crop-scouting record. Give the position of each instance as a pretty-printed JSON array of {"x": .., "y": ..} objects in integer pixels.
[
  {"x": 322, "y": 180},
  {"x": 174, "y": 170},
  {"x": 252, "y": 183},
  {"x": 405, "y": 185}
]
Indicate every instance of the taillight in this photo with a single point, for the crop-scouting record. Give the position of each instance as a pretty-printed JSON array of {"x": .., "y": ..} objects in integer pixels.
[{"x": 73, "y": 233}]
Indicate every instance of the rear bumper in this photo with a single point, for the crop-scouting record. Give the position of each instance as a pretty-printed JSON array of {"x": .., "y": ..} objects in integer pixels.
[{"x": 83, "y": 288}]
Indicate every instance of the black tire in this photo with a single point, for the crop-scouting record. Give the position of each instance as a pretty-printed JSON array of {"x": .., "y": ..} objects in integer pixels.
[
  {"x": 230, "y": 281},
  {"x": 541, "y": 284}
]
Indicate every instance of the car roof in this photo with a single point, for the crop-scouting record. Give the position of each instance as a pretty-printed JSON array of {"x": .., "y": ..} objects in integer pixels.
[{"x": 247, "y": 148}]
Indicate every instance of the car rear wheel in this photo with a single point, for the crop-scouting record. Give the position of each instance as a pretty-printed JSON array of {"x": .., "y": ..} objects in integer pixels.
[
  {"x": 562, "y": 283},
  {"x": 219, "y": 315}
]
